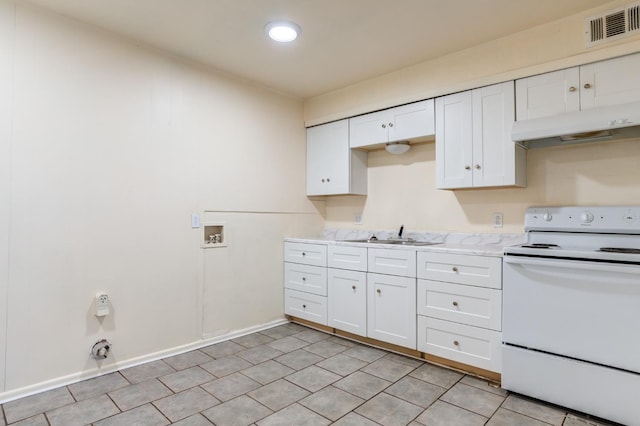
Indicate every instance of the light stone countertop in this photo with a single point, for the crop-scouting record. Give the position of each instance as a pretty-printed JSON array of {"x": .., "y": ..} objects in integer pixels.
[{"x": 454, "y": 243}]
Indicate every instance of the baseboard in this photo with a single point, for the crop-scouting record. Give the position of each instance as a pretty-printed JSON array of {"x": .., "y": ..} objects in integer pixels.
[{"x": 132, "y": 362}]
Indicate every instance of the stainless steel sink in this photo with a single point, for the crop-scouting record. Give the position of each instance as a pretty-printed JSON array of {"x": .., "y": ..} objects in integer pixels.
[{"x": 395, "y": 242}]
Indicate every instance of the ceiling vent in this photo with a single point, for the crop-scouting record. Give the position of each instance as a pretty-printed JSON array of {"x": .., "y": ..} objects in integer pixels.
[{"x": 613, "y": 25}]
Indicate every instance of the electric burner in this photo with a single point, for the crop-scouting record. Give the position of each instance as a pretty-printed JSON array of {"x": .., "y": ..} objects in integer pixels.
[
  {"x": 540, "y": 245},
  {"x": 620, "y": 250}
]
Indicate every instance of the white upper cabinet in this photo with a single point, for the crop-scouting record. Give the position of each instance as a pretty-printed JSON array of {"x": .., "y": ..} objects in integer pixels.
[
  {"x": 407, "y": 122},
  {"x": 332, "y": 167},
  {"x": 473, "y": 139},
  {"x": 611, "y": 82}
]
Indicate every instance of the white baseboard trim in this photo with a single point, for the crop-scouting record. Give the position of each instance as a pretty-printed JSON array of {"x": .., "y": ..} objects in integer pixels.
[{"x": 97, "y": 372}]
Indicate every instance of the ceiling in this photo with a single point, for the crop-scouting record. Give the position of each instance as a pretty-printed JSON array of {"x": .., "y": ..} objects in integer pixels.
[{"x": 342, "y": 41}]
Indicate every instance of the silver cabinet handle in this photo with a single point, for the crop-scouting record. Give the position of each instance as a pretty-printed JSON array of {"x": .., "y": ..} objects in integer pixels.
[
  {"x": 456, "y": 343},
  {"x": 379, "y": 291},
  {"x": 390, "y": 124},
  {"x": 454, "y": 269},
  {"x": 587, "y": 86},
  {"x": 477, "y": 166},
  {"x": 328, "y": 180},
  {"x": 353, "y": 287},
  {"x": 384, "y": 126},
  {"x": 455, "y": 303},
  {"x": 304, "y": 306},
  {"x": 572, "y": 89},
  {"x": 304, "y": 278},
  {"x": 467, "y": 167},
  {"x": 304, "y": 254}
]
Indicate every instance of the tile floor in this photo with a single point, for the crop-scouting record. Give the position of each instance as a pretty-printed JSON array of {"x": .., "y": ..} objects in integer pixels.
[{"x": 286, "y": 375}]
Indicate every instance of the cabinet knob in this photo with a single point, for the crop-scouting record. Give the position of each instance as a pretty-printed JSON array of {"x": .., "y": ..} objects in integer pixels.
[
  {"x": 467, "y": 167},
  {"x": 304, "y": 278},
  {"x": 587, "y": 86},
  {"x": 322, "y": 180},
  {"x": 455, "y": 303},
  {"x": 379, "y": 291},
  {"x": 454, "y": 269},
  {"x": 572, "y": 89},
  {"x": 304, "y": 254},
  {"x": 456, "y": 343},
  {"x": 390, "y": 124},
  {"x": 353, "y": 287},
  {"x": 304, "y": 306},
  {"x": 477, "y": 166},
  {"x": 328, "y": 180},
  {"x": 384, "y": 126}
]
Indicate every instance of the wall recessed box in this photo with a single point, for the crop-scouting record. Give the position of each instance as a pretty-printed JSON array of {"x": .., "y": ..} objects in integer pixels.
[{"x": 214, "y": 235}]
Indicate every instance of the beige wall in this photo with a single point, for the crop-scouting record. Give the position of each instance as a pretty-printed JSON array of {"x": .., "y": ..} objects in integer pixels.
[
  {"x": 111, "y": 149},
  {"x": 402, "y": 188}
]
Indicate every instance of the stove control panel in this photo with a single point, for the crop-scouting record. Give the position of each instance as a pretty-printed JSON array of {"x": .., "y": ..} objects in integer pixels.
[{"x": 603, "y": 219}]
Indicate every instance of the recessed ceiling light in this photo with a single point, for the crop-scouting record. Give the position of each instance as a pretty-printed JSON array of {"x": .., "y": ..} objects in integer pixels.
[{"x": 282, "y": 31}]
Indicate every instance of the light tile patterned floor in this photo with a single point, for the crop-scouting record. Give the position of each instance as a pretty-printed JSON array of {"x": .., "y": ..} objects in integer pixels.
[{"x": 286, "y": 375}]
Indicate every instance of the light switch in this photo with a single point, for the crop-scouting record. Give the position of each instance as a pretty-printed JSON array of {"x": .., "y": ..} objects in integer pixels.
[{"x": 195, "y": 220}]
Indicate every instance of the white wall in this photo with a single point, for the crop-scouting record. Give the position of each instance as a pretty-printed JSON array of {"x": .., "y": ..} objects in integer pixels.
[
  {"x": 113, "y": 146},
  {"x": 6, "y": 95}
]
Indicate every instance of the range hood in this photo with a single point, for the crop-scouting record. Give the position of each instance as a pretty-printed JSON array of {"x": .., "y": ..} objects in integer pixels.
[{"x": 589, "y": 125}]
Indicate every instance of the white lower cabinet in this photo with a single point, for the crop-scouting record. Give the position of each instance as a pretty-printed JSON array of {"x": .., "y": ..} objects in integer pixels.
[
  {"x": 469, "y": 345},
  {"x": 347, "y": 300},
  {"x": 391, "y": 305},
  {"x": 459, "y": 306},
  {"x": 306, "y": 306}
]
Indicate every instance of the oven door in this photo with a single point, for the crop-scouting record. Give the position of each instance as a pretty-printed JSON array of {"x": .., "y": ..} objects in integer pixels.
[{"x": 585, "y": 310}]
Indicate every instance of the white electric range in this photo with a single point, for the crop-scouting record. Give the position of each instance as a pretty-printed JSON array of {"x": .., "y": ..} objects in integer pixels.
[{"x": 571, "y": 310}]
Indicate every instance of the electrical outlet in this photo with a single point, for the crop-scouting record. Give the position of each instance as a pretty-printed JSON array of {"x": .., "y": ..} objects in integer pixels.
[
  {"x": 357, "y": 219},
  {"x": 102, "y": 305},
  {"x": 497, "y": 220}
]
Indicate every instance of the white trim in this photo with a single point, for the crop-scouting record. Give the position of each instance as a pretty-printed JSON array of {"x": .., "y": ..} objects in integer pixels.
[{"x": 97, "y": 372}]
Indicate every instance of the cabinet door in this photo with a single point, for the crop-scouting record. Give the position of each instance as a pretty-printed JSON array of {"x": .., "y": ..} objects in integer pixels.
[
  {"x": 494, "y": 153},
  {"x": 454, "y": 141},
  {"x": 347, "y": 304},
  {"x": 412, "y": 121},
  {"x": 391, "y": 305},
  {"x": 369, "y": 129},
  {"x": 611, "y": 82},
  {"x": 328, "y": 158},
  {"x": 548, "y": 94}
]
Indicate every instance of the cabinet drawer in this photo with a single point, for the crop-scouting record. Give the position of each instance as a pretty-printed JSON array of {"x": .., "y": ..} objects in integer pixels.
[
  {"x": 392, "y": 262},
  {"x": 477, "y": 306},
  {"x": 310, "y": 279},
  {"x": 482, "y": 271},
  {"x": 469, "y": 345},
  {"x": 306, "y": 306},
  {"x": 308, "y": 254},
  {"x": 347, "y": 301},
  {"x": 346, "y": 257}
]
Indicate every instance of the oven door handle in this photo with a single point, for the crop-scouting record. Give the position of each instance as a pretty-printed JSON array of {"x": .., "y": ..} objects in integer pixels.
[{"x": 573, "y": 264}]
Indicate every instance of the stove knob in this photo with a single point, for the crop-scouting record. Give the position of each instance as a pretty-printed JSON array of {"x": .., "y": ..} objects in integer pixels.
[
  {"x": 547, "y": 217},
  {"x": 586, "y": 217}
]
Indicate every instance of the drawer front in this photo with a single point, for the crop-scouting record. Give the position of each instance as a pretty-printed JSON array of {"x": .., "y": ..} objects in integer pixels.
[
  {"x": 347, "y": 257},
  {"x": 347, "y": 301},
  {"x": 306, "y": 306},
  {"x": 469, "y": 345},
  {"x": 477, "y": 306},
  {"x": 308, "y": 254},
  {"x": 392, "y": 262},
  {"x": 481, "y": 271},
  {"x": 310, "y": 279}
]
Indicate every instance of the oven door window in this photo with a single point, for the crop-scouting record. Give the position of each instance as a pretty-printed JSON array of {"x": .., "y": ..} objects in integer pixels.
[{"x": 580, "y": 309}]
